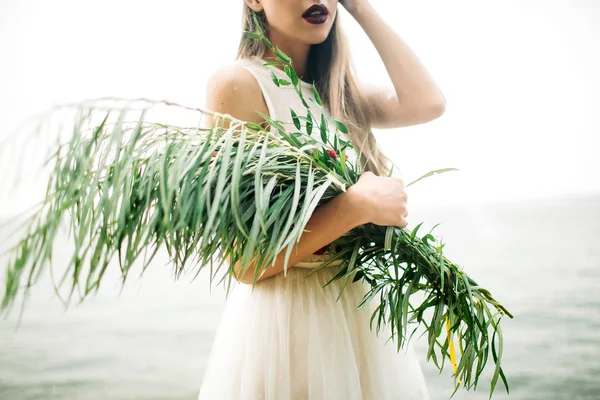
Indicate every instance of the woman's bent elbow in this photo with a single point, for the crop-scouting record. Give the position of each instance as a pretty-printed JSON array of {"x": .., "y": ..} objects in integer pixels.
[{"x": 248, "y": 275}]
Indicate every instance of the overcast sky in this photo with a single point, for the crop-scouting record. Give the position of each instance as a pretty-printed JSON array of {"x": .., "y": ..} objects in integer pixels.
[{"x": 520, "y": 79}]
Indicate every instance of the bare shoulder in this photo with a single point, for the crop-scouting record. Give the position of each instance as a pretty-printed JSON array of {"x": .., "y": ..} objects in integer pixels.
[{"x": 233, "y": 90}]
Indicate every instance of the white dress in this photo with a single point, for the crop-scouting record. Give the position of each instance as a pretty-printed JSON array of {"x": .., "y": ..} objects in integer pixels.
[{"x": 290, "y": 339}]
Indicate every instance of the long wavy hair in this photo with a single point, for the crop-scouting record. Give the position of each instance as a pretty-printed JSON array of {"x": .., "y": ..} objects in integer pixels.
[{"x": 331, "y": 69}]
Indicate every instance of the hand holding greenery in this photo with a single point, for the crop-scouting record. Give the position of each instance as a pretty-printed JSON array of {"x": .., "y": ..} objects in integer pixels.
[{"x": 133, "y": 187}]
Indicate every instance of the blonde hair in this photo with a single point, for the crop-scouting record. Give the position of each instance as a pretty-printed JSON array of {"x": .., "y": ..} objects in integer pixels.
[{"x": 331, "y": 69}]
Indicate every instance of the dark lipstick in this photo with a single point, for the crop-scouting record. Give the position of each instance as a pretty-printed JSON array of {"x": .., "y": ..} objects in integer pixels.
[{"x": 316, "y": 14}]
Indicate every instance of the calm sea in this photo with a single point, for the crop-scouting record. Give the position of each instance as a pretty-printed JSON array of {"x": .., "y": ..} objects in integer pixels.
[{"x": 541, "y": 259}]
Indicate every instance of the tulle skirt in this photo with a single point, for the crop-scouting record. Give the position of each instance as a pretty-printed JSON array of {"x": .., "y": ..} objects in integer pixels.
[{"x": 290, "y": 339}]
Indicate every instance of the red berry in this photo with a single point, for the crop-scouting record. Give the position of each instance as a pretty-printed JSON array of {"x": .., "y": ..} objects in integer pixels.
[
  {"x": 332, "y": 154},
  {"x": 321, "y": 250}
]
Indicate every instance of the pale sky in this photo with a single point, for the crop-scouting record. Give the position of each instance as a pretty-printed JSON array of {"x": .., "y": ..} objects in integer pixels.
[{"x": 520, "y": 80}]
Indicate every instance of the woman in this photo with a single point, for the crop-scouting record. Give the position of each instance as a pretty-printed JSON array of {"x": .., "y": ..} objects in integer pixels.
[{"x": 288, "y": 337}]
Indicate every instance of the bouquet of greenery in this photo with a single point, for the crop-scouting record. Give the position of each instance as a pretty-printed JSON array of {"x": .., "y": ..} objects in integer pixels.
[{"x": 130, "y": 187}]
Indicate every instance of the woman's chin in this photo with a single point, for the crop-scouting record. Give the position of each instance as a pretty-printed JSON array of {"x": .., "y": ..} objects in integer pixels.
[{"x": 316, "y": 38}]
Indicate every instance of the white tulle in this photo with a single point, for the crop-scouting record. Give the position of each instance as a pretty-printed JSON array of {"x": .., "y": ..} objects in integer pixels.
[{"x": 290, "y": 339}]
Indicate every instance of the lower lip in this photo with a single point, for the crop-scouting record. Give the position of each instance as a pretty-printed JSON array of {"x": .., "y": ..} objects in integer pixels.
[{"x": 316, "y": 19}]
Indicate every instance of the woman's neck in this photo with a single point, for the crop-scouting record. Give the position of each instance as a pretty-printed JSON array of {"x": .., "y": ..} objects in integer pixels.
[{"x": 298, "y": 52}]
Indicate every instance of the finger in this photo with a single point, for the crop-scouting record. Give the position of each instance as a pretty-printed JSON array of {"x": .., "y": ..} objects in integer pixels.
[
  {"x": 404, "y": 222},
  {"x": 404, "y": 211}
]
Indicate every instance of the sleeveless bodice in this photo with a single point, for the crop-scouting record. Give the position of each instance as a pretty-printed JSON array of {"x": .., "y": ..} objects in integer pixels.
[{"x": 279, "y": 101}]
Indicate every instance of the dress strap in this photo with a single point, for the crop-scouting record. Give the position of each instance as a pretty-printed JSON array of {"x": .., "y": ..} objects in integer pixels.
[{"x": 262, "y": 76}]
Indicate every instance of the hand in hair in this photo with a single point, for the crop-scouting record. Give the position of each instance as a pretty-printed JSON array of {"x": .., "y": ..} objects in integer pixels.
[{"x": 353, "y": 5}]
